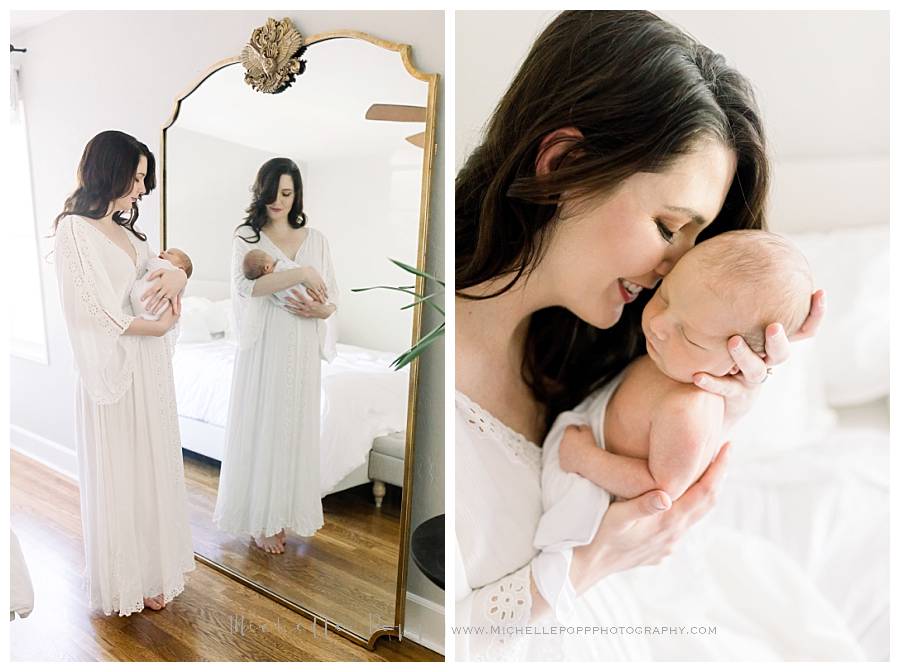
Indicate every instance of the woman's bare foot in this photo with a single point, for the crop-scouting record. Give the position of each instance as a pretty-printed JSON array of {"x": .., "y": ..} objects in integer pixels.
[
  {"x": 154, "y": 603},
  {"x": 281, "y": 536},
  {"x": 271, "y": 544}
]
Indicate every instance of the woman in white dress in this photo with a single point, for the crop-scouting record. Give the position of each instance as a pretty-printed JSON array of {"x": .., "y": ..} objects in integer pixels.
[
  {"x": 619, "y": 143},
  {"x": 269, "y": 481},
  {"x": 131, "y": 476}
]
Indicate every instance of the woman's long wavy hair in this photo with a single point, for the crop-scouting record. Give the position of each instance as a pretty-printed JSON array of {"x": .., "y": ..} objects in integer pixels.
[
  {"x": 106, "y": 172},
  {"x": 265, "y": 191},
  {"x": 642, "y": 93}
]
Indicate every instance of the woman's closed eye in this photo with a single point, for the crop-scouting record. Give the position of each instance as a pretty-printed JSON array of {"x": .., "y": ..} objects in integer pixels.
[{"x": 667, "y": 234}]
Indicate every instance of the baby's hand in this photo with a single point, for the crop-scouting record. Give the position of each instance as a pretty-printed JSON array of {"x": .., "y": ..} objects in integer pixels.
[{"x": 575, "y": 439}]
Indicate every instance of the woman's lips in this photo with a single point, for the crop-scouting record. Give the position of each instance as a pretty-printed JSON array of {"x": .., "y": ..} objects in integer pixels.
[{"x": 627, "y": 296}]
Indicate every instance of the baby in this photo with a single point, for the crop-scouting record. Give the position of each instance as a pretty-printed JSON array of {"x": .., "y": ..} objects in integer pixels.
[
  {"x": 650, "y": 427},
  {"x": 258, "y": 263},
  {"x": 167, "y": 260}
]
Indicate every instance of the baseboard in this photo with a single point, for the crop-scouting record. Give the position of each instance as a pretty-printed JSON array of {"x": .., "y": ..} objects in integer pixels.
[
  {"x": 424, "y": 622},
  {"x": 47, "y": 452}
]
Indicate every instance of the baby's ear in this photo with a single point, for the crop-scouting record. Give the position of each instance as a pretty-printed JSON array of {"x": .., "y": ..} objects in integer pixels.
[{"x": 734, "y": 369}]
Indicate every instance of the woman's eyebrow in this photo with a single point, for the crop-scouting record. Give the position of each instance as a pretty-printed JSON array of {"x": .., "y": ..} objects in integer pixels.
[{"x": 695, "y": 216}]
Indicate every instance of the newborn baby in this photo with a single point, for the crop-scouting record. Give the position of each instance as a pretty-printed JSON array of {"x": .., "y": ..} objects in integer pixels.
[
  {"x": 167, "y": 260},
  {"x": 258, "y": 263},
  {"x": 651, "y": 427}
]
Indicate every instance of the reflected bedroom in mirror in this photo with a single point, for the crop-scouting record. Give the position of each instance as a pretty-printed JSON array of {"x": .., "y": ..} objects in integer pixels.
[{"x": 293, "y": 418}]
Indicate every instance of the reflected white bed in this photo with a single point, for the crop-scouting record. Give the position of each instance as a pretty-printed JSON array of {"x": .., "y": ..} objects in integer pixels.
[{"x": 362, "y": 398}]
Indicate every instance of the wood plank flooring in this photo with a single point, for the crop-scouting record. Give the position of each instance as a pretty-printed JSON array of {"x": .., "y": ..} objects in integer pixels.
[
  {"x": 346, "y": 572},
  {"x": 214, "y": 619}
]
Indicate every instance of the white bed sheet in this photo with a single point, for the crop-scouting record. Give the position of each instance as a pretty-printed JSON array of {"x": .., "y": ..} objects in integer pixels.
[
  {"x": 826, "y": 504},
  {"x": 363, "y": 398}
]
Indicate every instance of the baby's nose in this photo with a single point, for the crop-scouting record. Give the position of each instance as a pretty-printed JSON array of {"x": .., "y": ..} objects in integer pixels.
[{"x": 657, "y": 328}]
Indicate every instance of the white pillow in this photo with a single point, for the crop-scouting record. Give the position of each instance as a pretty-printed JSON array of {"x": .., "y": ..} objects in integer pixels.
[
  {"x": 853, "y": 343},
  {"x": 192, "y": 324},
  {"x": 789, "y": 411},
  {"x": 217, "y": 317}
]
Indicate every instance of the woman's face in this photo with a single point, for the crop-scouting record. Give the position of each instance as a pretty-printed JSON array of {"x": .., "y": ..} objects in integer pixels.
[
  {"x": 281, "y": 206},
  {"x": 127, "y": 201},
  {"x": 605, "y": 251}
]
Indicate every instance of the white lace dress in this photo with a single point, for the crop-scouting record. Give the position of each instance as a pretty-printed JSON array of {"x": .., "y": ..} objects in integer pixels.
[
  {"x": 134, "y": 517},
  {"x": 270, "y": 466},
  {"x": 761, "y": 605}
]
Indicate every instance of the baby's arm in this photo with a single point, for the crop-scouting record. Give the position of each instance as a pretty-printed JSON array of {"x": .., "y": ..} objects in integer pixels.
[
  {"x": 620, "y": 475},
  {"x": 680, "y": 433}
]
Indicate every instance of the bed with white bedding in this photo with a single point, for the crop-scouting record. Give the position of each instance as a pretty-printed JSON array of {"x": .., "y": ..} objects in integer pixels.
[
  {"x": 359, "y": 384},
  {"x": 809, "y": 467}
]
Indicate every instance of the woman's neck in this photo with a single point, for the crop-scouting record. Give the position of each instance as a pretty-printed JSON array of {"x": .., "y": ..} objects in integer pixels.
[{"x": 277, "y": 224}]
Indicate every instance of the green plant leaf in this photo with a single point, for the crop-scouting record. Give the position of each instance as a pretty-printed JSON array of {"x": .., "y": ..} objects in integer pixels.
[
  {"x": 416, "y": 271},
  {"x": 419, "y": 347}
]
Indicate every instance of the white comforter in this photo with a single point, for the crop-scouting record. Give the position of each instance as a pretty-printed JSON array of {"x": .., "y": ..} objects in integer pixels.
[{"x": 363, "y": 397}]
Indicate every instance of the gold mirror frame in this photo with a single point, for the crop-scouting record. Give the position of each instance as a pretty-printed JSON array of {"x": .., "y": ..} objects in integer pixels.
[{"x": 430, "y": 148}]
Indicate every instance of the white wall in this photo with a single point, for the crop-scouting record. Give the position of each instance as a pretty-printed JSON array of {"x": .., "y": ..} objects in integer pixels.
[
  {"x": 209, "y": 185},
  {"x": 89, "y": 71},
  {"x": 821, "y": 78},
  {"x": 368, "y": 209}
]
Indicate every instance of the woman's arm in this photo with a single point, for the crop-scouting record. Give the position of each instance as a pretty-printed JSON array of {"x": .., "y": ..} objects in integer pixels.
[
  {"x": 275, "y": 282},
  {"x": 142, "y": 327},
  {"x": 644, "y": 530}
]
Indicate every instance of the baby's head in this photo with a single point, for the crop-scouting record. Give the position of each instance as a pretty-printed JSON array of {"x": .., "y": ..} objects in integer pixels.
[
  {"x": 179, "y": 259},
  {"x": 258, "y": 263},
  {"x": 734, "y": 283}
]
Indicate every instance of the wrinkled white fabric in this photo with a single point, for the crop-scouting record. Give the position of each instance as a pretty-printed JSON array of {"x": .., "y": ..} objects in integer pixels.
[
  {"x": 270, "y": 468},
  {"x": 762, "y": 605},
  {"x": 131, "y": 475}
]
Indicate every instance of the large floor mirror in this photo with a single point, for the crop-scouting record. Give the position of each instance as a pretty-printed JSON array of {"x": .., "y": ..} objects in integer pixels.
[{"x": 357, "y": 119}]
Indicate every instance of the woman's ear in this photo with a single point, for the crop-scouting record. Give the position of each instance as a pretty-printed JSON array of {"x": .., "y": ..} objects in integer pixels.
[{"x": 553, "y": 147}]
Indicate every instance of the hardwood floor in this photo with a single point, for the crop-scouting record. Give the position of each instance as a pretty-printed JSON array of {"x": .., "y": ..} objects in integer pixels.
[
  {"x": 214, "y": 619},
  {"x": 346, "y": 572}
]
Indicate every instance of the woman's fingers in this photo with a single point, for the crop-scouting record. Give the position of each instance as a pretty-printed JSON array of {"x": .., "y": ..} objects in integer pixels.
[
  {"x": 750, "y": 364},
  {"x": 814, "y": 319},
  {"x": 778, "y": 349},
  {"x": 724, "y": 386},
  {"x": 176, "y": 305},
  {"x": 649, "y": 504}
]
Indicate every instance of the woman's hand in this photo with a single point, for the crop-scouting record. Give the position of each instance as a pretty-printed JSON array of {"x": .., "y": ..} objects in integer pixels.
[
  {"x": 644, "y": 530},
  {"x": 315, "y": 285},
  {"x": 740, "y": 389},
  {"x": 167, "y": 287},
  {"x": 167, "y": 320},
  {"x": 302, "y": 307}
]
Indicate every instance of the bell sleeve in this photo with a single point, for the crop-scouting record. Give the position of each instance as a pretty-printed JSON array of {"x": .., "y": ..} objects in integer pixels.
[
  {"x": 95, "y": 320},
  {"x": 248, "y": 309},
  {"x": 327, "y": 329}
]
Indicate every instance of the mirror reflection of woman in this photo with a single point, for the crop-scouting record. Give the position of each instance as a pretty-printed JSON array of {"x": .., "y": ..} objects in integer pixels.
[
  {"x": 269, "y": 480},
  {"x": 137, "y": 538}
]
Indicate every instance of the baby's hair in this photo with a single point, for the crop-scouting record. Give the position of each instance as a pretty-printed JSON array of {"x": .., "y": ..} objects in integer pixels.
[
  {"x": 738, "y": 265},
  {"x": 186, "y": 264},
  {"x": 254, "y": 264}
]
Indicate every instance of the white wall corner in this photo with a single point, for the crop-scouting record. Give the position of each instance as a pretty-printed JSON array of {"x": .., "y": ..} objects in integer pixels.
[
  {"x": 47, "y": 452},
  {"x": 424, "y": 622}
]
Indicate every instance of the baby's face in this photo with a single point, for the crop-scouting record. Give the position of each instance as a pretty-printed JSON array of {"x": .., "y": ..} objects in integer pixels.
[
  {"x": 172, "y": 257},
  {"x": 687, "y": 326}
]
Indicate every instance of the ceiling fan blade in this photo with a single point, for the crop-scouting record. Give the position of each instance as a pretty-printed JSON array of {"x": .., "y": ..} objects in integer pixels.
[
  {"x": 388, "y": 112},
  {"x": 418, "y": 139}
]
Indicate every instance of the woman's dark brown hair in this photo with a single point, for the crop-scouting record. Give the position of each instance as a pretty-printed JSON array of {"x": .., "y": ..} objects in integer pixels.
[
  {"x": 106, "y": 172},
  {"x": 642, "y": 93},
  {"x": 265, "y": 191}
]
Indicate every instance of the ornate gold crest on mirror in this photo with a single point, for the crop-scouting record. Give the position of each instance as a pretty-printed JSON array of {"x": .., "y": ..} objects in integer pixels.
[
  {"x": 298, "y": 435},
  {"x": 272, "y": 57}
]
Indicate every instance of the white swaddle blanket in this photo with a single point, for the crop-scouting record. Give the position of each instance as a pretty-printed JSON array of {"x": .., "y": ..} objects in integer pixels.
[
  {"x": 326, "y": 330},
  {"x": 573, "y": 505},
  {"x": 140, "y": 286}
]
